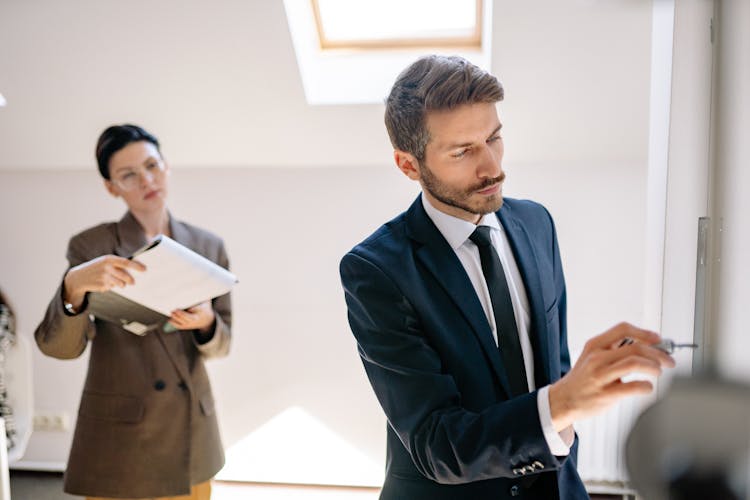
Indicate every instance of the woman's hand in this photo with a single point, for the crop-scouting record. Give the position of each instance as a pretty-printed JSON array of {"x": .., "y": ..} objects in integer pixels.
[
  {"x": 200, "y": 317},
  {"x": 98, "y": 275}
]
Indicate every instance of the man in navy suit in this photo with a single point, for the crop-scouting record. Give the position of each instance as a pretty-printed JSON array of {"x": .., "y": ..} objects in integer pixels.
[{"x": 458, "y": 308}]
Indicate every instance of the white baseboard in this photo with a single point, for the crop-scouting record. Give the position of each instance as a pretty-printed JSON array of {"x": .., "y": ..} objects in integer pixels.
[{"x": 37, "y": 465}]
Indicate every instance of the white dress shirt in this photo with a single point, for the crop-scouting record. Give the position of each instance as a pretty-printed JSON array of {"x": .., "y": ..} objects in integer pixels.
[{"x": 456, "y": 232}]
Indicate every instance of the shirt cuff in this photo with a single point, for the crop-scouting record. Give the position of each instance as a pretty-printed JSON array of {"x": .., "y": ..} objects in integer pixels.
[
  {"x": 208, "y": 340},
  {"x": 559, "y": 443}
]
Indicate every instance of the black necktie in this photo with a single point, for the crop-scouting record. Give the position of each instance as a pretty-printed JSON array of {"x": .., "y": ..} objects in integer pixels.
[{"x": 505, "y": 319}]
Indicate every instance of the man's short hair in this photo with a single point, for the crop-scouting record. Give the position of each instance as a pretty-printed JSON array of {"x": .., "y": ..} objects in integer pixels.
[
  {"x": 429, "y": 84},
  {"x": 115, "y": 138}
]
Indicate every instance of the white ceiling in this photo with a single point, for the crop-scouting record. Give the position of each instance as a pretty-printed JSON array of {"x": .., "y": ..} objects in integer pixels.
[{"x": 219, "y": 84}]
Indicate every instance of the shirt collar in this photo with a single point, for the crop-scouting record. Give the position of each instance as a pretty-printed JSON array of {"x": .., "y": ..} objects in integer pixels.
[{"x": 456, "y": 231}]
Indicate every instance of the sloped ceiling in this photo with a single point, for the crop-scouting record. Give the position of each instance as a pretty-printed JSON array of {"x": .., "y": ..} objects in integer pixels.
[{"x": 218, "y": 83}]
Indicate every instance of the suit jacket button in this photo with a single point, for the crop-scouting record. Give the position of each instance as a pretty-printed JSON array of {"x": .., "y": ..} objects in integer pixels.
[
  {"x": 159, "y": 385},
  {"x": 538, "y": 465},
  {"x": 515, "y": 490}
]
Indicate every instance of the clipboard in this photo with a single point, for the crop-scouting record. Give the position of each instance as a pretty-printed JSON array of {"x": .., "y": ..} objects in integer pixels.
[{"x": 175, "y": 278}]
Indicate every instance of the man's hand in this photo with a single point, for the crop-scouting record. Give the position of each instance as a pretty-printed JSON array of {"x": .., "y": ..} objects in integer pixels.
[
  {"x": 98, "y": 275},
  {"x": 594, "y": 383},
  {"x": 200, "y": 317}
]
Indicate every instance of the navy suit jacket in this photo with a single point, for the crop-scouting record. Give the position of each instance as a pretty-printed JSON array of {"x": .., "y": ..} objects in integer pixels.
[{"x": 426, "y": 344}]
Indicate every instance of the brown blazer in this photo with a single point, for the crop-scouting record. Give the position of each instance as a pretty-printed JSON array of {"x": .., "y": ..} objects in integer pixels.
[{"x": 146, "y": 424}]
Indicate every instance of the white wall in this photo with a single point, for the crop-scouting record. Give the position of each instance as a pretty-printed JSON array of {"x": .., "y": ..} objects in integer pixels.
[
  {"x": 732, "y": 208},
  {"x": 219, "y": 85}
]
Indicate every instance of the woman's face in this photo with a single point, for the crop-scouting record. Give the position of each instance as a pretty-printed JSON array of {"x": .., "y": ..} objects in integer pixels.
[{"x": 138, "y": 174}]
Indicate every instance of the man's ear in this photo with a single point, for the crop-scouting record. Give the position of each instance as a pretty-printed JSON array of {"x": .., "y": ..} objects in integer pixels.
[
  {"x": 111, "y": 188},
  {"x": 407, "y": 163}
]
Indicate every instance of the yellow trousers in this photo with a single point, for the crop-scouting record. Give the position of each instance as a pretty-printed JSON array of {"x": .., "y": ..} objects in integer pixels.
[{"x": 198, "y": 492}]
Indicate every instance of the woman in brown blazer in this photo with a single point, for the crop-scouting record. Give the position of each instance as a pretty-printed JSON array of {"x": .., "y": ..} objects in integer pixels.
[{"x": 146, "y": 426}]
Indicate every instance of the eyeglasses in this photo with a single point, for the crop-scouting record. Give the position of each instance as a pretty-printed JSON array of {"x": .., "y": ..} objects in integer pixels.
[{"x": 129, "y": 179}]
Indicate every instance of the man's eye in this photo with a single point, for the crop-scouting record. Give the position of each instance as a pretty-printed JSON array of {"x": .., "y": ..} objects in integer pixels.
[
  {"x": 127, "y": 176},
  {"x": 495, "y": 138},
  {"x": 152, "y": 166},
  {"x": 461, "y": 153}
]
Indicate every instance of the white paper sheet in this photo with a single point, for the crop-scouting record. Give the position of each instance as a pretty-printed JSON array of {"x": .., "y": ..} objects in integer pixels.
[{"x": 175, "y": 278}]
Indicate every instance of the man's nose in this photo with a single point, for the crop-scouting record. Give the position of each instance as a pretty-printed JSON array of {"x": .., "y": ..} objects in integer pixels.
[
  {"x": 146, "y": 177},
  {"x": 489, "y": 164}
]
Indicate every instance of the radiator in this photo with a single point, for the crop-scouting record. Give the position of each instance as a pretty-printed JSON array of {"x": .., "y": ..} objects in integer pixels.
[{"x": 601, "y": 448}]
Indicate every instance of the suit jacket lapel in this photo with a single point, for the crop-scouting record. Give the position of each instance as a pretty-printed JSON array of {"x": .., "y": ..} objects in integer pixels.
[
  {"x": 440, "y": 259},
  {"x": 179, "y": 232},
  {"x": 130, "y": 236},
  {"x": 525, "y": 256}
]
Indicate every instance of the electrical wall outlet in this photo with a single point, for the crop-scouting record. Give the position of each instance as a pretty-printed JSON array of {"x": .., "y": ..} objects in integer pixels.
[{"x": 51, "y": 421}]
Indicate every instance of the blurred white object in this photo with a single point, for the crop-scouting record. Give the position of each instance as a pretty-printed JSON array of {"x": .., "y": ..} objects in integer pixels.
[
  {"x": 3, "y": 102},
  {"x": 18, "y": 382},
  {"x": 4, "y": 474}
]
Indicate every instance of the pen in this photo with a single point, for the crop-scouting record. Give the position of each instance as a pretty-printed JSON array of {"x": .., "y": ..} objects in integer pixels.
[{"x": 666, "y": 345}]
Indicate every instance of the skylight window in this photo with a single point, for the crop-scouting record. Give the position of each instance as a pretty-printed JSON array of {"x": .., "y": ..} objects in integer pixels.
[
  {"x": 398, "y": 23},
  {"x": 351, "y": 51}
]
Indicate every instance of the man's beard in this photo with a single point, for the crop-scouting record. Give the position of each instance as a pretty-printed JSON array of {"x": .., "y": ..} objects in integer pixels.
[{"x": 460, "y": 198}]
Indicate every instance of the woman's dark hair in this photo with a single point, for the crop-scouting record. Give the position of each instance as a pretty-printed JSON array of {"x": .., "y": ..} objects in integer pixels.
[{"x": 115, "y": 138}]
